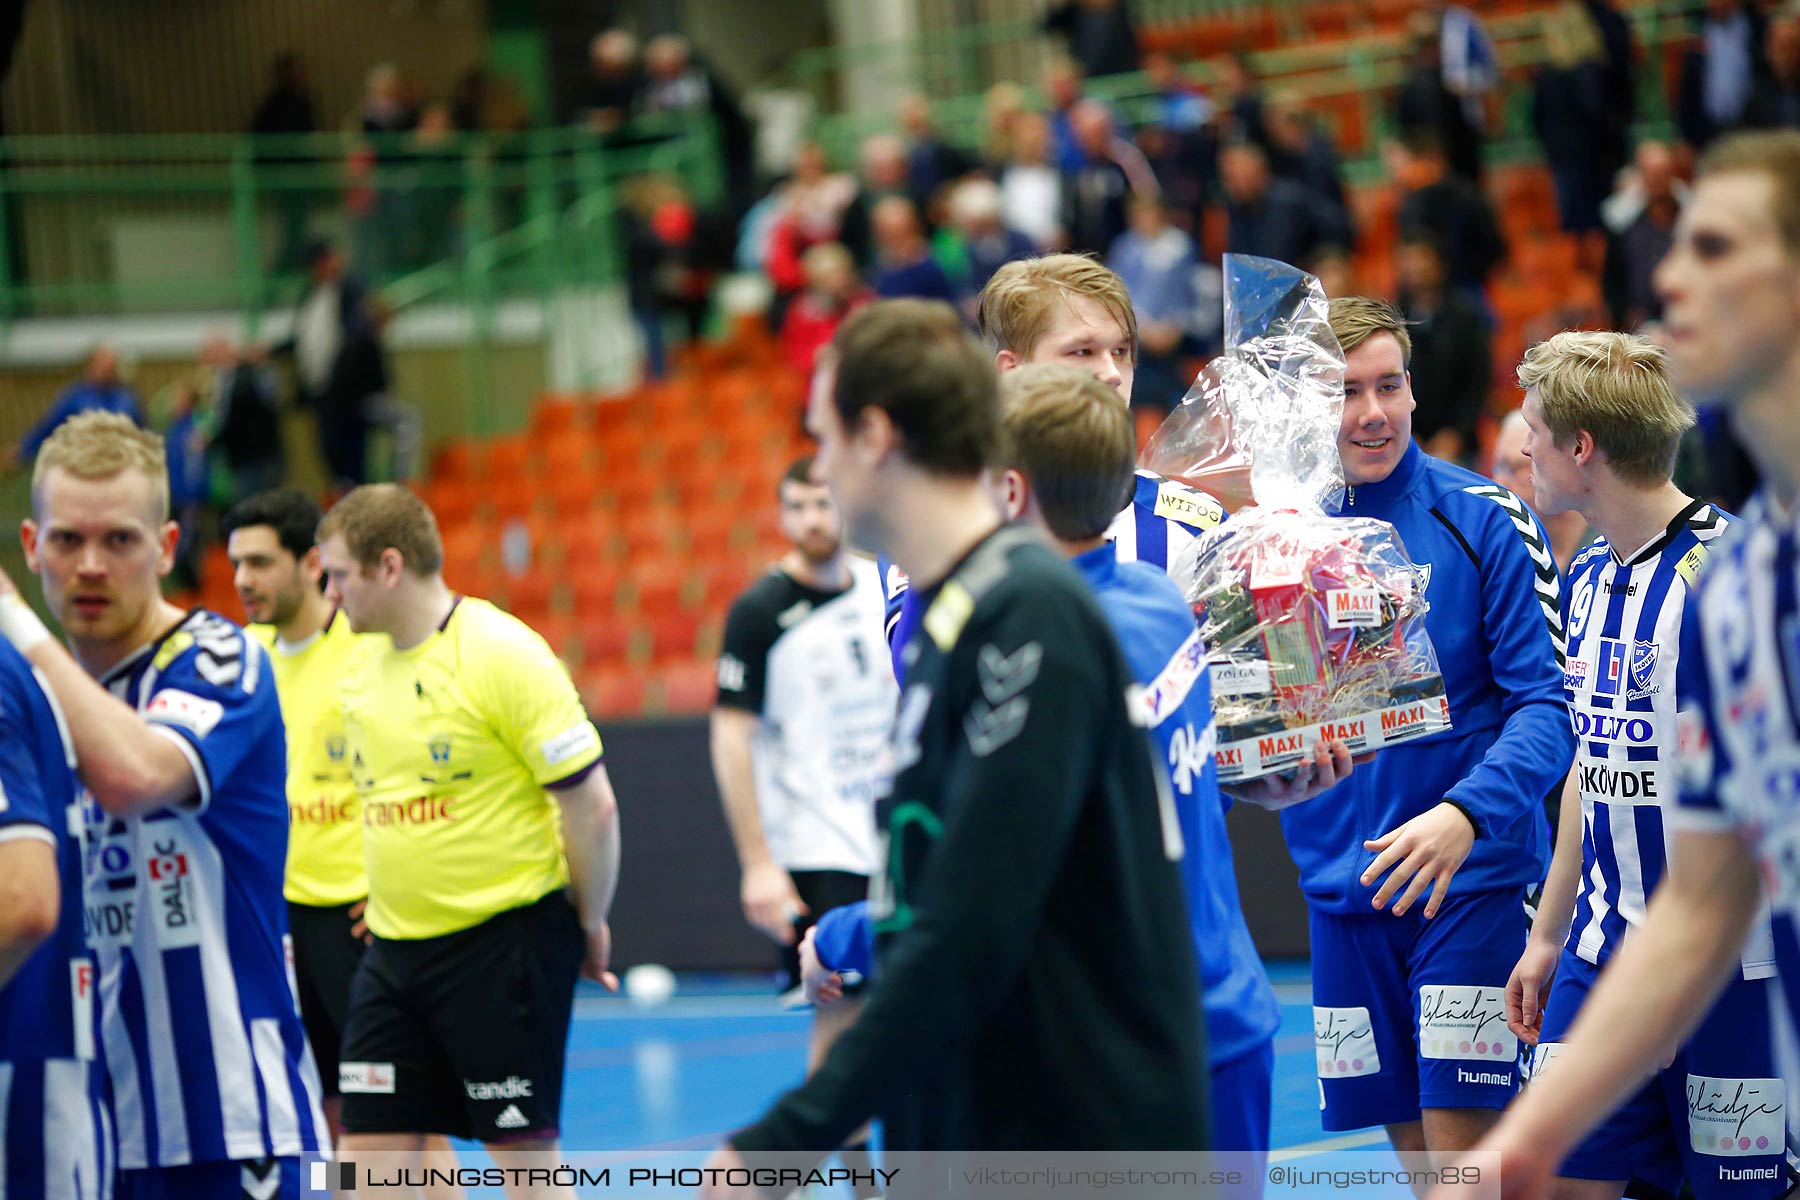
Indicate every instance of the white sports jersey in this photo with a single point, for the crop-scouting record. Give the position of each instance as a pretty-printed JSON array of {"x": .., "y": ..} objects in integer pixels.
[
  {"x": 1624, "y": 629},
  {"x": 1740, "y": 736},
  {"x": 813, "y": 665}
]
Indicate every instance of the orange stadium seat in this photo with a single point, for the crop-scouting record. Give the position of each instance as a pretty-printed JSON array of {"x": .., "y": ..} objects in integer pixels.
[
  {"x": 453, "y": 501},
  {"x": 529, "y": 596},
  {"x": 454, "y": 459},
  {"x": 508, "y": 456},
  {"x": 557, "y": 417},
  {"x": 608, "y": 637},
  {"x": 512, "y": 495},
  {"x": 594, "y": 588},
  {"x": 673, "y": 634},
  {"x": 613, "y": 691},
  {"x": 658, "y": 584},
  {"x": 689, "y": 687}
]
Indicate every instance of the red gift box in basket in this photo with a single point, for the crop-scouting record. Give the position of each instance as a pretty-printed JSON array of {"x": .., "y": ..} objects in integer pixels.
[{"x": 1313, "y": 623}]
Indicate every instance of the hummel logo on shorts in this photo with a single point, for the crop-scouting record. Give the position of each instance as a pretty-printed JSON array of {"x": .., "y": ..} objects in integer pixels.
[{"x": 511, "y": 1118}]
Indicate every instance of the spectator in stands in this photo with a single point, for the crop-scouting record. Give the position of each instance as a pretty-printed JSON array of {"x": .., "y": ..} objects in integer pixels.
[
  {"x": 675, "y": 254},
  {"x": 1265, "y": 215},
  {"x": 288, "y": 110},
  {"x": 1425, "y": 106},
  {"x": 426, "y": 201},
  {"x": 1572, "y": 117},
  {"x": 1112, "y": 169},
  {"x": 1451, "y": 360},
  {"x": 884, "y": 173},
  {"x": 812, "y": 210},
  {"x": 99, "y": 388},
  {"x": 1098, "y": 33},
  {"x": 1720, "y": 72},
  {"x": 246, "y": 417},
  {"x": 384, "y": 228},
  {"x": 904, "y": 263},
  {"x": 1449, "y": 207},
  {"x": 1160, "y": 265},
  {"x": 1568, "y": 529},
  {"x": 677, "y": 81},
  {"x": 177, "y": 415},
  {"x": 1301, "y": 151},
  {"x": 931, "y": 162},
  {"x": 1621, "y": 82},
  {"x": 1181, "y": 140},
  {"x": 384, "y": 411},
  {"x": 338, "y": 361},
  {"x": 484, "y": 103},
  {"x": 1776, "y": 102},
  {"x": 1062, "y": 92},
  {"x": 615, "y": 80},
  {"x": 1240, "y": 98},
  {"x": 1335, "y": 271},
  {"x": 1001, "y": 109},
  {"x": 1640, "y": 229},
  {"x": 989, "y": 243},
  {"x": 833, "y": 292},
  {"x": 1470, "y": 64},
  {"x": 1031, "y": 188}
]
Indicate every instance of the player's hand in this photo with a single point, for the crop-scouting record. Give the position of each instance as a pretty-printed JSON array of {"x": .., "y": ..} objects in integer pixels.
[
  {"x": 1328, "y": 765},
  {"x": 1528, "y": 990},
  {"x": 1526, "y": 1169},
  {"x": 599, "y": 957},
  {"x": 717, "y": 1163},
  {"x": 822, "y": 984},
  {"x": 359, "y": 928},
  {"x": 770, "y": 901},
  {"x": 1429, "y": 849}
]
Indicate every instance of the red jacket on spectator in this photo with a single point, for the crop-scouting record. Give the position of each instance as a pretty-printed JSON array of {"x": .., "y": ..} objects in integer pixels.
[{"x": 812, "y": 320}]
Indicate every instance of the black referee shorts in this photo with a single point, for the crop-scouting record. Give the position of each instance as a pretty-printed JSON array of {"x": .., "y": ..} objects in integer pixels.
[
  {"x": 820, "y": 891},
  {"x": 465, "y": 1034},
  {"x": 325, "y": 960}
]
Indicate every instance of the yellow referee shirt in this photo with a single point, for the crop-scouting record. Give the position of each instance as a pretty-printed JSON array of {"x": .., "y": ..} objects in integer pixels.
[
  {"x": 452, "y": 743},
  {"x": 325, "y": 852}
]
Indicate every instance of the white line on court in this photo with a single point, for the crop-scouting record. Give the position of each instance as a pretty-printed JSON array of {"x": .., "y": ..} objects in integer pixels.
[{"x": 1348, "y": 1141}]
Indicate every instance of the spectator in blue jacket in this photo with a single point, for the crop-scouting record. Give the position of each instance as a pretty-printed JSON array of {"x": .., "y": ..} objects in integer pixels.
[
  {"x": 904, "y": 265},
  {"x": 99, "y": 388},
  {"x": 1160, "y": 266},
  {"x": 1415, "y": 871}
]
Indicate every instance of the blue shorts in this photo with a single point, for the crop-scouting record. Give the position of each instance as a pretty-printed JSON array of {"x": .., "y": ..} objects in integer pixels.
[
  {"x": 1241, "y": 1100},
  {"x": 214, "y": 1181},
  {"x": 1714, "y": 1117},
  {"x": 1410, "y": 1014}
]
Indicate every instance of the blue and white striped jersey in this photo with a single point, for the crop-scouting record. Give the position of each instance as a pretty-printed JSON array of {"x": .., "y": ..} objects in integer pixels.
[
  {"x": 200, "y": 1026},
  {"x": 1624, "y": 627},
  {"x": 1740, "y": 734},
  {"x": 55, "y": 1135}
]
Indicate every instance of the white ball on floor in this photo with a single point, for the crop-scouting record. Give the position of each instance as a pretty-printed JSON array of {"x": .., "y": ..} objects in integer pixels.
[{"x": 649, "y": 984}]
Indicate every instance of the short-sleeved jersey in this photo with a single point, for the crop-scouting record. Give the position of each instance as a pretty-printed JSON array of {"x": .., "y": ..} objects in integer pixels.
[
  {"x": 55, "y": 1138},
  {"x": 453, "y": 743},
  {"x": 200, "y": 1027},
  {"x": 809, "y": 663},
  {"x": 1623, "y": 621},
  {"x": 1162, "y": 520},
  {"x": 1738, "y": 695},
  {"x": 325, "y": 853}
]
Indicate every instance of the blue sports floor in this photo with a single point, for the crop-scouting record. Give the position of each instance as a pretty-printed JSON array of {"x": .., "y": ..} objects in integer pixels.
[{"x": 681, "y": 1075}]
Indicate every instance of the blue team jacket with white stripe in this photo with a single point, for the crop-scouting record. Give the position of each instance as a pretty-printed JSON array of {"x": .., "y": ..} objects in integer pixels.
[{"x": 1496, "y": 622}]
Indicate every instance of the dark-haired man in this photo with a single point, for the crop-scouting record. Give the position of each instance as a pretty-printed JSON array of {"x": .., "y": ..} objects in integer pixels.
[
  {"x": 1040, "y": 1034},
  {"x": 270, "y": 540}
]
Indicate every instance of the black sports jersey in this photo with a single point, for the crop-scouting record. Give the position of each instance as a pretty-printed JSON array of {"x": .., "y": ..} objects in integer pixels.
[{"x": 1037, "y": 986}]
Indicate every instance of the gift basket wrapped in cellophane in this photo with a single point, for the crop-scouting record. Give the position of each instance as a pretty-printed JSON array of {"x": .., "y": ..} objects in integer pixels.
[{"x": 1314, "y": 623}]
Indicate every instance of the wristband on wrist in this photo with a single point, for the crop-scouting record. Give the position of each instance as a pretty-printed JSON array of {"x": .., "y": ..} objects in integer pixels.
[{"x": 20, "y": 625}]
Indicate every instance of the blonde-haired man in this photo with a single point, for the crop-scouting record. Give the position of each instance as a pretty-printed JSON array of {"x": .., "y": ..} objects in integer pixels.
[
  {"x": 1731, "y": 286},
  {"x": 1415, "y": 870},
  {"x": 1604, "y": 426},
  {"x": 491, "y": 838},
  {"x": 179, "y": 737}
]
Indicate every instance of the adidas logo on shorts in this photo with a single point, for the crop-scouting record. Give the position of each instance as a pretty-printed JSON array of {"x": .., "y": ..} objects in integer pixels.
[{"x": 511, "y": 1118}]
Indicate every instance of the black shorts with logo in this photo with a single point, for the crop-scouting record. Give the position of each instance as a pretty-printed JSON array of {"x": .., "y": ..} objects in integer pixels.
[
  {"x": 465, "y": 1034},
  {"x": 325, "y": 960},
  {"x": 820, "y": 891}
]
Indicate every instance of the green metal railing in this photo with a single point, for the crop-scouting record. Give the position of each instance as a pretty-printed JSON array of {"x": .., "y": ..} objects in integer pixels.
[{"x": 100, "y": 225}]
